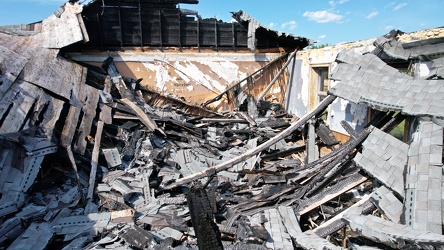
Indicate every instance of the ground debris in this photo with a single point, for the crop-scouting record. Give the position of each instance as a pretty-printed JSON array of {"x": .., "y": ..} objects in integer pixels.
[{"x": 90, "y": 159}]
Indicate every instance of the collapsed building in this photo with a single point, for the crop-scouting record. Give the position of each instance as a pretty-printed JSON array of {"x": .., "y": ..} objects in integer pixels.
[{"x": 141, "y": 125}]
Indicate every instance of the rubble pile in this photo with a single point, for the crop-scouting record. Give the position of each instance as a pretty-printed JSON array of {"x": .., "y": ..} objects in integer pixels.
[
  {"x": 91, "y": 159},
  {"x": 159, "y": 184}
]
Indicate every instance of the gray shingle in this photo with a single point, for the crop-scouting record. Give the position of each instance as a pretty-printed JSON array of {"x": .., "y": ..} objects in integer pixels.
[
  {"x": 384, "y": 164},
  {"x": 424, "y": 178},
  {"x": 378, "y": 77},
  {"x": 390, "y": 233}
]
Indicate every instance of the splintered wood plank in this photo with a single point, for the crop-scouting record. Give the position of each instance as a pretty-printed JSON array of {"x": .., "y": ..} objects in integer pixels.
[
  {"x": 144, "y": 118},
  {"x": 106, "y": 111},
  {"x": 52, "y": 114},
  {"x": 76, "y": 100},
  {"x": 46, "y": 112},
  {"x": 290, "y": 59},
  {"x": 23, "y": 45},
  {"x": 23, "y": 97},
  {"x": 67, "y": 28},
  {"x": 11, "y": 64},
  {"x": 70, "y": 126},
  {"x": 95, "y": 159},
  {"x": 89, "y": 106},
  {"x": 339, "y": 216},
  {"x": 58, "y": 76},
  {"x": 336, "y": 190}
]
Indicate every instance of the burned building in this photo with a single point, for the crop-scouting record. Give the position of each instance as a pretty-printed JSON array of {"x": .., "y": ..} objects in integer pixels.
[{"x": 141, "y": 125}]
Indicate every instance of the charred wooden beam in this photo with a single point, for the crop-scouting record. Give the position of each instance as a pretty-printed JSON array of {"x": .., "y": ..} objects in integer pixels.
[
  {"x": 284, "y": 153},
  {"x": 325, "y": 133},
  {"x": 349, "y": 129},
  {"x": 395, "y": 121},
  {"x": 312, "y": 148},
  {"x": 140, "y": 24},
  {"x": 202, "y": 217},
  {"x": 95, "y": 159},
  {"x": 160, "y": 29},
  {"x": 215, "y": 33},
  {"x": 120, "y": 25},
  {"x": 336, "y": 223},
  {"x": 333, "y": 168},
  {"x": 105, "y": 117},
  {"x": 339, "y": 188}
]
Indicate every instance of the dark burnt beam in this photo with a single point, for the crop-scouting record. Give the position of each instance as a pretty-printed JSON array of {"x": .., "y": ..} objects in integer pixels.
[
  {"x": 202, "y": 218},
  {"x": 233, "y": 29},
  {"x": 140, "y": 25},
  {"x": 160, "y": 29},
  {"x": 120, "y": 25},
  {"x": 215, "y": 33},
  {"x": 198, "y": 31},
  {"x": 101, "y": 34},
  {"x": 180, "y": 29}
]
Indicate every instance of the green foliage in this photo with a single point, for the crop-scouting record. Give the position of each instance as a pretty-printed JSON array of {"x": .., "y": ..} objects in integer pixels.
[{"x": 320, "y": 46}]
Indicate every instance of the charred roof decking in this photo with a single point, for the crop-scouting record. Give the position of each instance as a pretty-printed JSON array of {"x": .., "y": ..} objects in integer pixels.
[{"x": 113, "y": 25}]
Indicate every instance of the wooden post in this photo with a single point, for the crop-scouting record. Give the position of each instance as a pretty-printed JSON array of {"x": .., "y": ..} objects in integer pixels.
[
  {"x": 95, "y": 159},
  {"x": 277, "y": 76}
]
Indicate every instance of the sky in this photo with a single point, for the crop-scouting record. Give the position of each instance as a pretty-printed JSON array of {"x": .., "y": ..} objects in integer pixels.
[{"x": 324, "y": 21}]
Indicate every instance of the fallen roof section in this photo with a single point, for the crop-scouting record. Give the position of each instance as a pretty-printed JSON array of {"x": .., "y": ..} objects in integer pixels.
[
  {"x": 423, "y": 208},
  {"x": 384, "y": 157},
  {"x": 389, "y": 46},
  {"x": 367, "y": 79}
]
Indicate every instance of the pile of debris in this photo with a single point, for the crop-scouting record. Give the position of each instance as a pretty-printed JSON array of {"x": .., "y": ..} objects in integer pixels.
[
  {"x": 90, "y": 159},
  {"x": 257, "y": 178}
]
